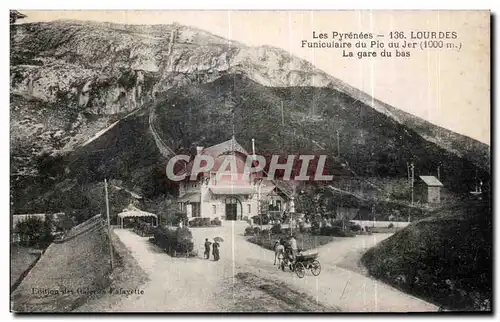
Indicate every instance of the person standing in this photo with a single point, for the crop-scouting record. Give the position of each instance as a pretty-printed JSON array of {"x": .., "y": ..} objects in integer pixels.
[
  {"x": 215, "y": 250},
  {"x": 279, "y": 254},
  {"x": 207, "y": 248},
  {"x": 293, "y": 247}
]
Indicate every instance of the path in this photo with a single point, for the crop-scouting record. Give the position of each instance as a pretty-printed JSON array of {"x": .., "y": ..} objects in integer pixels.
[{"x": 190, "y": 284}]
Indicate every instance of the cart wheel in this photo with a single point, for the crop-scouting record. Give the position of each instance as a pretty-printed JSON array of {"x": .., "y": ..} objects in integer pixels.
[
  {"x": 315, "y": 268},
  {"x": 300, "y": 270}
]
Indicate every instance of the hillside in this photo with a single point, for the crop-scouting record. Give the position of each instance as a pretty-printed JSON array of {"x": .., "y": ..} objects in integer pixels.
[
  {"x": 372, "y": 143},
  {"x": 82, "y": 94},
  {"x": 445, "y": 259},
  {"x": 79, "y": 264}
]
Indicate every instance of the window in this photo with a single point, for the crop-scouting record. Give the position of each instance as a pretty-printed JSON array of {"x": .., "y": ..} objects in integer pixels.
[
  {"x": 214, "y": 209},
  {"x": 249, "y": 208},
  {"x": 278, "y": 205},
  {"x": 231, "y": 201}
]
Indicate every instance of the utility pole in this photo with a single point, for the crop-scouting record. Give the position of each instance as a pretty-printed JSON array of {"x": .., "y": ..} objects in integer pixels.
[
  {"x": 373, "y": 214},
  {"x": 412, "y": 166},
  {"x": 439, "y": 172},
  {"x": 259, "y": 205},
  {"x": 408, "y": 172},
  {"x": 338, "y": 144},
  {"x": 109, "y": 225},
  {"x": 282, "y": 115}
]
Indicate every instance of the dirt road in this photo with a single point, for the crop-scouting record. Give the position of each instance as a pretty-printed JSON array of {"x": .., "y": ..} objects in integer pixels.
[{"x": 203, "y": 285}]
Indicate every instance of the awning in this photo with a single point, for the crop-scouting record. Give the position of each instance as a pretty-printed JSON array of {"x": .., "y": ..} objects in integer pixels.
[
  {"x": 431, "y": 181},
  {"x": 136, "y": 213},
  {"x": 235, "y": 190},
  {"x": 190, "y": 197}
]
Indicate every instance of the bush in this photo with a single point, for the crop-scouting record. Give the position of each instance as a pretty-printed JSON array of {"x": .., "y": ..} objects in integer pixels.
[
  {"x": 354, "y": 227},
  {"x": 33, "y": 231},
  {"x": 337, "y": 223},
  {"x": 302, "y": 227},
  {"x": 315, "y": 227},
  {"x": 345, "y": 234},
  {"x": 249, "y": 231},
  {"x": 335, "y": 231},
  {"x": 256, "y": 230},
  {"x": 265, "y": 232},
  {"x": 179, "y": 216},
  {"x": 174, "y": 241},
  {"x": 196, "y": 222},
  {"x": 143, "y": 228},
  {"x": 184, "y": 240},
  {"x": 204, "y": 222},
  {"x": 216, "y": 222},
  {"x": 276, "y": 229},
  {"x": 257, "y": 220},
  {"x": 391, "y": 225}
]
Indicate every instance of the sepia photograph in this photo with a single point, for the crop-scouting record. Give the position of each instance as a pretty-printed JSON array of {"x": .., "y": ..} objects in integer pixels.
[{"x": 238, "y": 161}]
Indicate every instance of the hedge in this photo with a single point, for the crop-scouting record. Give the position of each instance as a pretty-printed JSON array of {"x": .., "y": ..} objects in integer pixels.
[
  {"x": 143, "y": 228},
  {"x": 204, "y": 222},
  {"x": 174, "y": 242}
]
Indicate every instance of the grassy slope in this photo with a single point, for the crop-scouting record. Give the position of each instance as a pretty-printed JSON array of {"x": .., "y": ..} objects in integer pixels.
[
  {"x": 82, "y": 262},
  {"x": 446, "y": 258},
  {"x": 127, "y": 275}
]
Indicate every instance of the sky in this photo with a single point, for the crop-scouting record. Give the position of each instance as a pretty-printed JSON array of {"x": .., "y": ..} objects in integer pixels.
[{"x": 447, "y": 87}]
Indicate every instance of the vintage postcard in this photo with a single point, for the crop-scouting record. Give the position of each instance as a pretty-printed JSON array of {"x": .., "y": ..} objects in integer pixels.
[{"x": 250, "y": 161}]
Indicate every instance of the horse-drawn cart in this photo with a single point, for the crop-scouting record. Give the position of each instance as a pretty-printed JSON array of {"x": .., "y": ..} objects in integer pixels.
[
  {"x": 307, "y": 261},
  {"x": 303, "y": 262}
]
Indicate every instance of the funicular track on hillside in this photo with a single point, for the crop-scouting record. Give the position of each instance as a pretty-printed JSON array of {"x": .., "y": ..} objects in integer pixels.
[{"x": 93, "y": 224}]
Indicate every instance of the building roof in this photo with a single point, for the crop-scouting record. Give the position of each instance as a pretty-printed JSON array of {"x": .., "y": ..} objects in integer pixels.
[
  {"x": 224, "y": 147},
  {"x": 216, "y": 151},
  {"x": 431, "y": 181},
  {"x": 190, "y": 197}
]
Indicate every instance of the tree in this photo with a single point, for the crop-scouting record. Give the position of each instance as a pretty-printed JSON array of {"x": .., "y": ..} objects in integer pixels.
[
  {"x": 35, "y": 231},
  {"x": 15, "y": 15}
]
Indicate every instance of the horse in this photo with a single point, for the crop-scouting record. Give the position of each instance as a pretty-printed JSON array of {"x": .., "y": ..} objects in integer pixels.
[{"x": 279, "y": 253}]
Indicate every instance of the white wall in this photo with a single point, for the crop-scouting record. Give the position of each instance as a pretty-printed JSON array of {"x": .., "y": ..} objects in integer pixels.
[
  {"x": 207, "y": 207},
  {"x": 370, "y": 223}
]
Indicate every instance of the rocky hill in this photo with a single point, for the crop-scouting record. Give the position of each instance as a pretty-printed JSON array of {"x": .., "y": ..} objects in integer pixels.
[{"x": 83, "y": 95}]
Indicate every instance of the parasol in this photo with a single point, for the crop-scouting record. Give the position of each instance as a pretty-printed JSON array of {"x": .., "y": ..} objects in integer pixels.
[{"x": 218, "y": 239}]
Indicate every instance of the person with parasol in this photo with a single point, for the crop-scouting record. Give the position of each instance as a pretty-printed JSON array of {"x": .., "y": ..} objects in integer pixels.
[{"x": 215, "y": 248}]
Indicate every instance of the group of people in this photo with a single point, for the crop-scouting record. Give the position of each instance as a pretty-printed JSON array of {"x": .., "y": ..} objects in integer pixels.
[
  {"x": 215, "y": 249},
  {"x": 285, "y": 251}
]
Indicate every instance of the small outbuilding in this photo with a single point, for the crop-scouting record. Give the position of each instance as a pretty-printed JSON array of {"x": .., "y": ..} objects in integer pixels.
[
  {"x": 428, "y": 189},
  {"x": 130, "y": 215}
]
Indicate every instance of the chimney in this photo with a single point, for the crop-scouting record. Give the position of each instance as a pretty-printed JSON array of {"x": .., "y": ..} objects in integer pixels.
[
  {"x": 253, "y": 146},
  {"x": 199, "y": 149}
]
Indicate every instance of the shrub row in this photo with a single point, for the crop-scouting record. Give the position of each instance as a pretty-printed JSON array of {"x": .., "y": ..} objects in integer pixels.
[
  {"x": 260, "y": 220},
  {"x": 143, "y": 228},
  {"x": 335, "y": 231},
  {"x": 205, "y": 222},
  {"x": 174, "y": 242}
]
